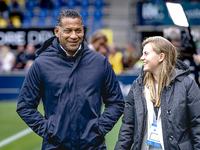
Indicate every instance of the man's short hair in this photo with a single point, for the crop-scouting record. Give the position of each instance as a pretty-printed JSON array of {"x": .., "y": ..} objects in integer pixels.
[{"x": 68, "y": 13}]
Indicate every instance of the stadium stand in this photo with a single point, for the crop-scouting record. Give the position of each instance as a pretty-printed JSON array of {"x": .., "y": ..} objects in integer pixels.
[{"x": 37, "y": 13}]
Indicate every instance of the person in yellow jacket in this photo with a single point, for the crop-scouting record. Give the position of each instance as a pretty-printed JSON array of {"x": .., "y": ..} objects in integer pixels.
[{"x": 115, "y": 58}]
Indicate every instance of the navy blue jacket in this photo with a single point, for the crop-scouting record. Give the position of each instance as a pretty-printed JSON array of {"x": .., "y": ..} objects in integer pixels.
[{"x": 72, "y": 90}]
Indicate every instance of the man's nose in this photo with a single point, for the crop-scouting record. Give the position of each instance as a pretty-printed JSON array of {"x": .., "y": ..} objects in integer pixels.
[{"x": 73, "y": 35}]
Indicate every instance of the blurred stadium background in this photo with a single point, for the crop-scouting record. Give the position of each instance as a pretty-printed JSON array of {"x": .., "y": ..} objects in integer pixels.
[
  {"x": 124, "y": 21},
  {"x": 128, "y": 20}
]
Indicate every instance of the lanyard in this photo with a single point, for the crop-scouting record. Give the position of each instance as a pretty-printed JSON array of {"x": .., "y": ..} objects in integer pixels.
[{"x": 156, "y": 109}]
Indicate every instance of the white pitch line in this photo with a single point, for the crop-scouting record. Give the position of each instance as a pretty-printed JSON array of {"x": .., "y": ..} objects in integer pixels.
[
  {"x": 15, "y": 137},
  {"x": 9, "y": 90}
]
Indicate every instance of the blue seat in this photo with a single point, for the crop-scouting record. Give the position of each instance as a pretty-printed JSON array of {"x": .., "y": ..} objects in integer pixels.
[
  {"x": 41, "y": 22},
  {"x": 98, "y": 14},
  {"x": 34, "y": 21},
  {"x": 71, "y": 4},
  {"x": 43, "y": 13},
  {"x": 53, "y": 22},
  {"x": 97, "y": 24},
  {"x": 55, "y": 12},
  {"x": 63, "y": 2},
  {"x": 28, "y": 14},
  {"x": 26, "y": 23},
  {"x": 99, "y": 3},
  {"x": 84, "y": 13},
  {"x": 30, "y": 4},
  {"x": 85, "y": 3},
  {"x": 56, "y": 4},
  {"x": 49, "y": 21}
]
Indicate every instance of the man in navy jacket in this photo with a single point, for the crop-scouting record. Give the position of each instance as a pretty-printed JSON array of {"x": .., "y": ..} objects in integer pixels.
[{"x": 72, "y": 82}]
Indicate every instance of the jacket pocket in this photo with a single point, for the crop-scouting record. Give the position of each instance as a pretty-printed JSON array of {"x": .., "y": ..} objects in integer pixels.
[
  {"x": 51, "y": 137},
  {"x": 99, "y": 136},
  {"x": 187, "y": 145}
]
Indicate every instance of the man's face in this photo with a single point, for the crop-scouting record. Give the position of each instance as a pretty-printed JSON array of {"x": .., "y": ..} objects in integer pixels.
[{"x": 70, "y": 34}]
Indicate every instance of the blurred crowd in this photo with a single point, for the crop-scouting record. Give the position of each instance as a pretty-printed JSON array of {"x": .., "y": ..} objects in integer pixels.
[
  {"x": 127, "y": 59},
  {"x": 175, "y": 1},
  {"x": 188, "y": 51},
  {"x": 16, "y": 13},
  {"x": 121, "y": 60},
  {"x": 10, "y": 13},
  {"x": 26, "y": 13},
  {"x": 19, "y": 59},
  {"x": 23, "y": 56}
]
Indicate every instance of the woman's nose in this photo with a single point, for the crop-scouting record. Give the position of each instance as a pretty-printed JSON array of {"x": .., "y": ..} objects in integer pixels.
[{"x": 142, "y": 58}]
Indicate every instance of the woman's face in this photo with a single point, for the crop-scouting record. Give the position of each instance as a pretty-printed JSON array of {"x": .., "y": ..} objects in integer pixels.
[{"x": 151, "y": 60}]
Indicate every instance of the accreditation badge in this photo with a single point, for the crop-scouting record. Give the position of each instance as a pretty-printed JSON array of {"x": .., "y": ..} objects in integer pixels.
[{"x": 153, "y": 138}]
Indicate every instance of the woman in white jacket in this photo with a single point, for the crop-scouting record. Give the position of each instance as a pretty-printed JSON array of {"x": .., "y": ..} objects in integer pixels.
[{"x": 7, "y": 58}]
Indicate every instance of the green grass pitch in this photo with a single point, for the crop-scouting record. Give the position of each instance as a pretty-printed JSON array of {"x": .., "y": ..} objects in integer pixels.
[{"x": 11, "y": 123}]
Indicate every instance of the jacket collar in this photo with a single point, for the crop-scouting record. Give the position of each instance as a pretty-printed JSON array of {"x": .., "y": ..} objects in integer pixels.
[
  {"x": 67, "y": 53},
  {"x": 181, "y": 70},
  {"x": 51, "y": 47}
]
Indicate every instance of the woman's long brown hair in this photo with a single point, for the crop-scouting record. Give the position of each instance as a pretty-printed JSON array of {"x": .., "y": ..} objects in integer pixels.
[{"x": 160, "y": 45}]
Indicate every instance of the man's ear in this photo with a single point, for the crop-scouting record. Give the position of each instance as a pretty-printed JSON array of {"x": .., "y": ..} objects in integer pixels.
[
  {"x": 162, "y": 57},
  {"x": 83, "y": 28},
  {"x": 56, "y": 31}
]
